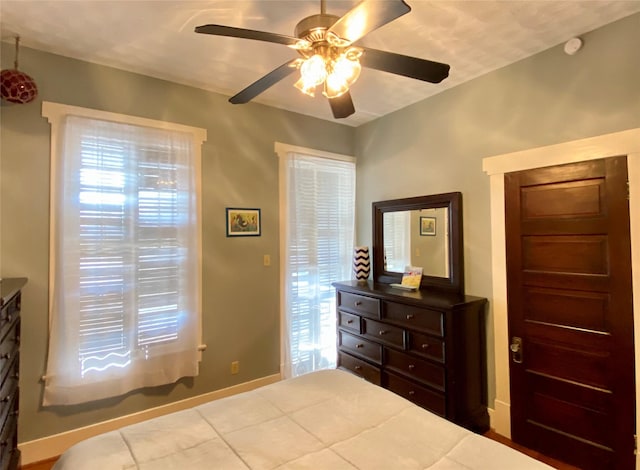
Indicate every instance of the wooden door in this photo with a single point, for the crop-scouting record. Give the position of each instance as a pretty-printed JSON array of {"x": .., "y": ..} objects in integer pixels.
[{"x": 570, "y": 302}]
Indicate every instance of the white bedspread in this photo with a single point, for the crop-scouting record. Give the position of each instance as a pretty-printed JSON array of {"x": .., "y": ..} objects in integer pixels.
[{"x": 324, "y": 420}]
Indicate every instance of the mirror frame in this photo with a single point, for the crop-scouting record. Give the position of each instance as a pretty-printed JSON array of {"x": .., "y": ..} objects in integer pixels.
[{"x": 452, "y": 201}]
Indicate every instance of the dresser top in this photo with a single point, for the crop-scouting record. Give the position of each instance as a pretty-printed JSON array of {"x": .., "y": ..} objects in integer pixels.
[
  {"x": 432, "y": 297},
  {"x": 9, "y": 286}
]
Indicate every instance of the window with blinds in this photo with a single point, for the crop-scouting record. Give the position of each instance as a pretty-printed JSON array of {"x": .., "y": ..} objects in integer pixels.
[
  {"x": 129, "y": 249},
  {"x": 397, "y": 240},
  {"x": 320, "y": 235},
  {"x": 125, "y": 310}
]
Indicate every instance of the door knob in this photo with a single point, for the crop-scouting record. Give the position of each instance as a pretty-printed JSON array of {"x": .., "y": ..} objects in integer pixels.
[{"x": 516, "y": 350}]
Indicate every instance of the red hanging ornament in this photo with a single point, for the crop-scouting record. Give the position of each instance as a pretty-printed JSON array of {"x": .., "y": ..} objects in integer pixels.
[{"x": 16, "y": 86}]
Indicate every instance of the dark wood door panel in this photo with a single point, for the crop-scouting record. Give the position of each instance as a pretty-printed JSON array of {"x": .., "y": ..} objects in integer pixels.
[
  {"x": 568, "y": 281},
  {"x": 589, "y": 170},
  {"x": 585, "y": 366},
  {"x": 591, "y": 398},
  {"x": 576, "y": 254},
  {"x": 570, "y": 337},
  {"x": 580, "y": 452},
  {"x": 573, "y": 199},
  {"x": 578, "y": 309},
  {"x": 571, "y": 419}
]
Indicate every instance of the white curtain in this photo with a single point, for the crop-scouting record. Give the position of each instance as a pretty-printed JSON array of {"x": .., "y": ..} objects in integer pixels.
[
  {"x": 124, "y": 310},
  {"x": 320, "y": 218}
]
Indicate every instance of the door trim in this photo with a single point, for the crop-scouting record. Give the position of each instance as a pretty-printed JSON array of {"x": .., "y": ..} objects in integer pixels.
[{"x": 608, "y": 145}]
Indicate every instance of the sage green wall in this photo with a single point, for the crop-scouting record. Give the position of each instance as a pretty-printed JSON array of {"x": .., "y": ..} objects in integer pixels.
[
  {"x": 438, "y": 145},
  {"x": 239, "y": 168}
]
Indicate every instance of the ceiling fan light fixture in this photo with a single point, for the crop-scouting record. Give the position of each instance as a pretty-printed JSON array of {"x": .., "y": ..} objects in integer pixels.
[
  {"x": 314, "y": 70},
  {"x": 335, "y": 86},
  {"x": 301, "y": 45},
  {"x": 307, "y": 89},
  {"x": 335, "y": 40},
  {"x": 344, "y": 73}
]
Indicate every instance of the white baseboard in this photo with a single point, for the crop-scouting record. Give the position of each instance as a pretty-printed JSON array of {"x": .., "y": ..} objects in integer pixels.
[
  {"x": 500, "y": 418},
  {"x": 52, "y": 446}
]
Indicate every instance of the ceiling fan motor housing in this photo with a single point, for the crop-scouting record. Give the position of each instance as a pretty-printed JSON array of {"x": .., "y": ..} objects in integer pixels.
[{"x": 313, "y": 28}]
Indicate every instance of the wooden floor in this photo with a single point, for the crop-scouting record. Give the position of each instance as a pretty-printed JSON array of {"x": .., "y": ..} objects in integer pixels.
[
  {"x": 43, "y": 465},
  {"x": 47, "y": 464}
]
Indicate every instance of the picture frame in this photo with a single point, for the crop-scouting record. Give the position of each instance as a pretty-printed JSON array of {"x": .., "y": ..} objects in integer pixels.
[
  {"x": 427, "y": 226},
  {"x": 243, "y": 222}
]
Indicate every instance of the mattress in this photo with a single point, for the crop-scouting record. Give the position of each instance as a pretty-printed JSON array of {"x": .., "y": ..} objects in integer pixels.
[{"x": 323, "y": 420}]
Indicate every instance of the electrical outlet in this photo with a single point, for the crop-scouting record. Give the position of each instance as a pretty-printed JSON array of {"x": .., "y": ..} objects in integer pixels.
[
  {"x": 235, "y": 367},
  {"x": 267, "y": 260}
]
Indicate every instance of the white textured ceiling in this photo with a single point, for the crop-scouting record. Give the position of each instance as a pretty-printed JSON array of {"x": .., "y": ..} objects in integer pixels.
[{"x": 156, "y": 38}]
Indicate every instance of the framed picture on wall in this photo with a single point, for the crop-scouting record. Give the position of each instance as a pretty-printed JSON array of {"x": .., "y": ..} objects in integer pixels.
[
  {"x": 243, "y": 222},
  {"x": 427, "y": 226}
]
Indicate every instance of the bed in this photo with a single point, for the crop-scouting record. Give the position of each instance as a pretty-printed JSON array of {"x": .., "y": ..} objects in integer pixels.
[{"x": 324, "y": 420}]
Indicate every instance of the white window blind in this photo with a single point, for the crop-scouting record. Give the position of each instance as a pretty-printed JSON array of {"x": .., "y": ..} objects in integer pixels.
[
  {"x": 319, "y": 239},
  {"x": 397, "y": 240},
  {"x": 125, "y": 304}
]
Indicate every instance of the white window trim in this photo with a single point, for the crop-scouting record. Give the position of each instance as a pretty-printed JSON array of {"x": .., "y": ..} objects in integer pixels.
[
  {"x": 56, "y": 112},
  {"x": 281, "y": 151}
]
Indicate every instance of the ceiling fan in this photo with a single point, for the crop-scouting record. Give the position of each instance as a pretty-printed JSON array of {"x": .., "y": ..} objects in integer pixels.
[{"x": 328, "y": 56}]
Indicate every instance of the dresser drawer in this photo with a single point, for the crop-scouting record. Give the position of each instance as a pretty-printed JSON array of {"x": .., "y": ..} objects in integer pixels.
[
  {"x": 418, "y": 369},
  {"x": 360, "y": 347},
  {"x": 427, "y": 346},
  {"x": 9, "y": 389},
  {"x": 9, "y": 436},
  {"x": 360, "y": 304},
  {"x": 349, "y": 321},
  {"x": 9, "y": 313},
  {"x": 426, "y": 398},
  {"x": 414, "y": 317},
  {"x": 359, "y": 367},
  {"x": 9, "y": 346},
  {"x": 383, "y": 333}
]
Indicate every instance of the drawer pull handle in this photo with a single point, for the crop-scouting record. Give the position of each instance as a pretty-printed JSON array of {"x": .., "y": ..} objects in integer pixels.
[
  {"x": 412, "y": 366},
  {"x": 349, "y": 322},
  {"x": 359, "y": 345},
  {"x": 410, "y": 316},
  {"x": 425, "y": 346},
  {"x": 358, "y": 303},
  {"x": 358, "y": 367},
  {"x": 383, "y": 332},
  {"x": 412, "y": 392},
  {"x": 6, "y": 399}
]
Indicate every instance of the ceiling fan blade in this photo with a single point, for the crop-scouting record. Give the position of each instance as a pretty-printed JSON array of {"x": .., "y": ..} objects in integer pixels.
[
  {"x": 342, "y": 106},
  {"x": 399, "y": 64},
  {"x": 367, "y": 16},
  {"x": 263, "y": 83},
  {"x": 230, "y": 31}
]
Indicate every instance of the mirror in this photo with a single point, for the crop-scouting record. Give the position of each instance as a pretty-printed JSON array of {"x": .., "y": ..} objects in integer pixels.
[{"x": 423, "y": 231}]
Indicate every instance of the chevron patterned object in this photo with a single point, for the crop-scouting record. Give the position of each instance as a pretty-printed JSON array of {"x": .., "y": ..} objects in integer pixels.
[{"x": 361, "y": 263}]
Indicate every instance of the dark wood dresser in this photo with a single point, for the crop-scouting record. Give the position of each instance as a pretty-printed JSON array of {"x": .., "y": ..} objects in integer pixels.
[
  {"x": 10, "y": 290},
  {"x": 427, "y": 346}
]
